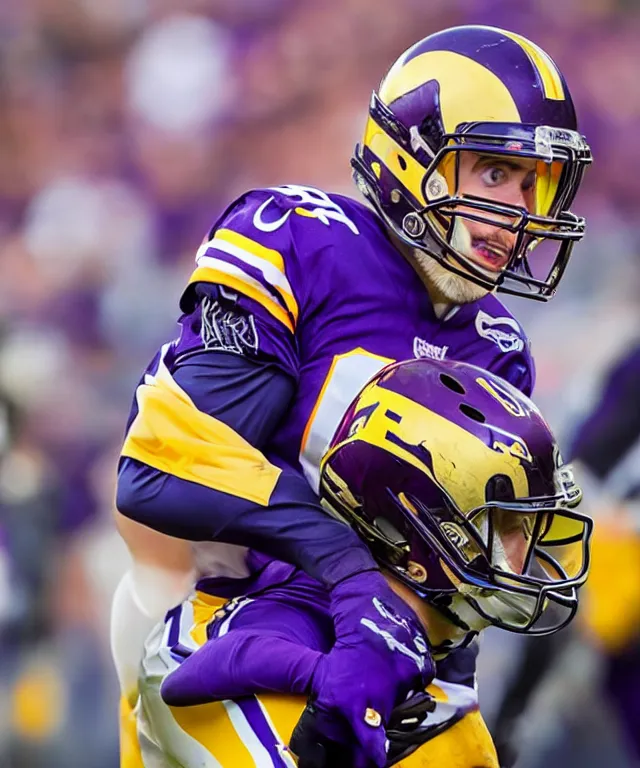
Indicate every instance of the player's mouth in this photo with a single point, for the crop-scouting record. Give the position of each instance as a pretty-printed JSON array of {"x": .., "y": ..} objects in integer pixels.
[{"x": 489, "y": 255}]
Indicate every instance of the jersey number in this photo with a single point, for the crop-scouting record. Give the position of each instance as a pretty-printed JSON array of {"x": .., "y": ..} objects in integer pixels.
[{"x": 347, "y": 376}]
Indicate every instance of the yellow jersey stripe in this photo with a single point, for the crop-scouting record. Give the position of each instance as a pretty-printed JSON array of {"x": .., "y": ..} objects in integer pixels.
[
  {"x": 281, "y": 742},
  {"x": 234, "y": 278},
  {"x": 274, "y": 276},
  {"x": 271, "y": 275},
  {"x": 251, "y": 246},
  {"x": 549, "y": 74},
  {"x": 170, "y": 434}
]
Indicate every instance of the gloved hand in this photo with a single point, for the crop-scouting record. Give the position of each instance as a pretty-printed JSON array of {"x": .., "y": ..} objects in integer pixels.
[{"x": 379, "y": 658}]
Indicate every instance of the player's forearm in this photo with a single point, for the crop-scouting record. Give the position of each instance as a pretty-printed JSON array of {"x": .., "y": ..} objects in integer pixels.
[
  {"x": 192, "y": 467},
  {"x": 292, "y": 526}
]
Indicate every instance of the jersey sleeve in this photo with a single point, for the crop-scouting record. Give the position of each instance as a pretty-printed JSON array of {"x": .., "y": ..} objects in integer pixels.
[
  {"x": 248, "y": 259},
  {"x": 192, "y": 467}
]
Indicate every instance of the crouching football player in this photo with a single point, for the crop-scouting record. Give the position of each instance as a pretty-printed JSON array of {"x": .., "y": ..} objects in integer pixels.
[{"x": 454, "y": 481}]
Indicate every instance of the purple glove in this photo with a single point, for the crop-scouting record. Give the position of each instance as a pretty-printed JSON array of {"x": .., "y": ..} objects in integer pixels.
[{"x": 380, "y": 656}]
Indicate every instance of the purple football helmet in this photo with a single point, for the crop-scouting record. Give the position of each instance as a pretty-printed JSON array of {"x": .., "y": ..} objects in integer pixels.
[
  {"x": 455, "y": 481},
  {"x": 496, "y": 94}
]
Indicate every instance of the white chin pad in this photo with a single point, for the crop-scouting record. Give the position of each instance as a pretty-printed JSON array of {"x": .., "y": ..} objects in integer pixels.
[
  {"x": 515, "y": 609},
  {"x": 461, "y": 237}
]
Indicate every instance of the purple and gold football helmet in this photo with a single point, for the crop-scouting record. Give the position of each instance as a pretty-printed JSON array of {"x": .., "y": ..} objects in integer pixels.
[
  {"x": 455, "y": 481},
  {"x": 483, "y": 90}
]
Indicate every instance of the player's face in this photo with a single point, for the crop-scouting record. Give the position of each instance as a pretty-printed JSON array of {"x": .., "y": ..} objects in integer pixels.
[
  {"x": 513, "y": 537},
  {"x": 502, "y": 180}
]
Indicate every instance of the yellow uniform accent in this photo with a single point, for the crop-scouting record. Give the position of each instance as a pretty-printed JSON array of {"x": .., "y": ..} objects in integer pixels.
[
  {"x": 209, "y": 275},
  {"x": 475, "y": 463},
  {"x": 252, "y": 246},
  {"x": 210, "y": 726},
  {"x": 202, "y": 605},
  {"x": 254, "y": 253},
  {"x": 551, "y": 80},
  {"x": 172, "y": 435},
  {"x": 611, "y": 617},
  {"x": 130, "y": 756},
  {"x": 327, "y": 382},
  {"x": 469, "y": 92},
  {"x": 467, "y": 744}
]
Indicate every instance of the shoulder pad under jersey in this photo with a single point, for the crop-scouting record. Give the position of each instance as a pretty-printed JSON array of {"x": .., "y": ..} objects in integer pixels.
[{"x": 258, "y": 246}]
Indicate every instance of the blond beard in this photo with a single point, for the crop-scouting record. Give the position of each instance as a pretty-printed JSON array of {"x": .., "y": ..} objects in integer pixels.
[
  {"x": 449, "y": 287},
  {"x": 454, "y": 289}
]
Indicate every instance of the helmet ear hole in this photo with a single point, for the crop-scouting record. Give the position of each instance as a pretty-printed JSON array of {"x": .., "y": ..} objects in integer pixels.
[
  {"x": 402, "y": 162},
  {"x": 473, "y": 413},
  {"x": 452, "y": 384},
  {"x": 499, "y": 488}
]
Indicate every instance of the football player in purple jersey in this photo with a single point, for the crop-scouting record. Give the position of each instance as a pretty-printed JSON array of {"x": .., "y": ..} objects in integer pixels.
[
  {"x": 454, "y": 481},
  {"x": 470, "y": 161}
]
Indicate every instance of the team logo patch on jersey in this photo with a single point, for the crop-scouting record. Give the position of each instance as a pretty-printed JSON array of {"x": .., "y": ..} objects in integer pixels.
[
  {"x": 422, "y": 348},
  {"x": 228, "y": 330},
  {"x": 495, "y": 329}
]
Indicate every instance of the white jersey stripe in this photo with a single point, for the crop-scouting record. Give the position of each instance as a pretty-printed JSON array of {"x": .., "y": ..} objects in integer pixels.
[
  {"x": 240, "y": 274},
  {"x": 248, "y": 736},
  {"x": 272, "y": 274}
]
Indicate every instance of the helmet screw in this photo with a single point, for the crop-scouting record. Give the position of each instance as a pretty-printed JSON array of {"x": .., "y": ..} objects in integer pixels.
[
  {"x": 413, "y": 225},
  {"x": 435, "y": 188},
  {"x": 395, "y": 196},
  {"x": 417, "y": 572}
]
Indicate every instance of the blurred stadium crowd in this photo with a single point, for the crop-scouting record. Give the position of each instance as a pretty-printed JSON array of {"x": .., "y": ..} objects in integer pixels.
[{"x": 125, "y": 128}]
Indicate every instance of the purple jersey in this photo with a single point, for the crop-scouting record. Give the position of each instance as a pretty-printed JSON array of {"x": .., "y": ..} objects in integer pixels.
[
  {"x": 331, "y": 301},
  {"x": 310, "y": 285}
]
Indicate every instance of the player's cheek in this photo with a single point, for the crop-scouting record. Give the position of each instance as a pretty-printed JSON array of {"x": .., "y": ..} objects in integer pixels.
[{"x": 515, "y": 546}]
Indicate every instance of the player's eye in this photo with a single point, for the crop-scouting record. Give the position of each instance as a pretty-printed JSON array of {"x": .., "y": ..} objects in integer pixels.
[
  {"x": 529, "y": 181},
  {"x": 494, "y": 175}
]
